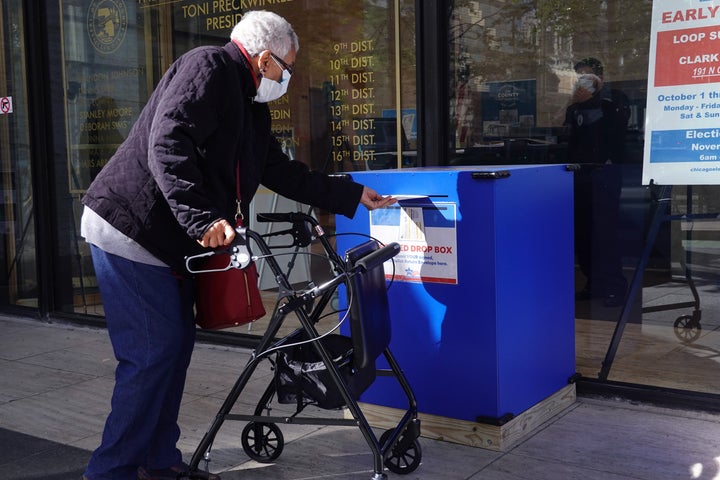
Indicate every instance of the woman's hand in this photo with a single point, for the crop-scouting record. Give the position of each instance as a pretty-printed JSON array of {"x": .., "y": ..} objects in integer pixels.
[
  {"x": 220, "y": 234},
  {"x": 372, "y": 200}
]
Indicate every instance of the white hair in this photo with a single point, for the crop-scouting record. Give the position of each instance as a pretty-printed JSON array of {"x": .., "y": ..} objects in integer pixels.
[{"x": 260, "y": 30}]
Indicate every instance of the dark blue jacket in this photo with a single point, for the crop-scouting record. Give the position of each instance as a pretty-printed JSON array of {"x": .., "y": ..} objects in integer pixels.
[{"x": 174, "y": 176}]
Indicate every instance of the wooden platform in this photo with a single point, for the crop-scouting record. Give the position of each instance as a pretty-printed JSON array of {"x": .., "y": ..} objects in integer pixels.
[{"x": 492, "y": 437}]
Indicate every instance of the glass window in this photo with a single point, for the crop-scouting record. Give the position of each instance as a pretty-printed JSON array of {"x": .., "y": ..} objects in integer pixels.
[
  {"x": 17, "y": 213},
  {"x": 354, "y": 76},
  {"x": 565, "y": 82},
  {"x": 355, "y": 73},
  {"x": 101, "y": 73},
  {"x": 107, "y": 70}
]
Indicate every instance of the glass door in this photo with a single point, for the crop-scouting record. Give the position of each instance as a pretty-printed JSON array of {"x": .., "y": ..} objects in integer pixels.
[{"x": 18, "y": 281}]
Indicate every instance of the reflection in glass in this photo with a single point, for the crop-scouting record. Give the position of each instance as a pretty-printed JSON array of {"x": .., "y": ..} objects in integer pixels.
[
  {"x": 512, "y": 74},
  {"x": 343, "y": 83},
  {"x": 17, "y": 216}
]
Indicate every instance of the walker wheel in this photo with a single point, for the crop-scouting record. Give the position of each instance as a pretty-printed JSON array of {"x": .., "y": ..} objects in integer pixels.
[
  {"x": 402, "y": 459},
  {"x": 263, "y": 442},
  {"x": 687, "y": 328}
]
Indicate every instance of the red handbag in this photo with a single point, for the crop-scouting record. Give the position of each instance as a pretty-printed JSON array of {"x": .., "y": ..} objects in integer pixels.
[{"x": 227, "y": 297}]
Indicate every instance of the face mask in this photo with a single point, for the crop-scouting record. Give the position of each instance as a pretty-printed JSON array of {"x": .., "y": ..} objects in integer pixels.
[{"x": 270, "y": 90}]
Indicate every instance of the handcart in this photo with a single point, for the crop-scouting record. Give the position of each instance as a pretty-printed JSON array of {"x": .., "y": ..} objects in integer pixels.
[
  {"x": 328, "y": 371},
  {"x": 687, "y": 327}
]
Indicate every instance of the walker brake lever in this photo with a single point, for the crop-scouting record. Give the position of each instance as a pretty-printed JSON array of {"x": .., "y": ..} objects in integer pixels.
[{"x": 300, "y": 232}]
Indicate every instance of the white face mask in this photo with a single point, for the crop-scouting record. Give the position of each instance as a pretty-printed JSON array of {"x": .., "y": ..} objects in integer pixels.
[{"x": 270, "y": 90}]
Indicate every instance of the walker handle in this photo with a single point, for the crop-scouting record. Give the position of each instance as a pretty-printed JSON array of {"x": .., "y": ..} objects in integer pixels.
[
  {"x": 288, "y": 217},
  {"x": 239, "y": 255},
  {"x": 378, "y": 257}
]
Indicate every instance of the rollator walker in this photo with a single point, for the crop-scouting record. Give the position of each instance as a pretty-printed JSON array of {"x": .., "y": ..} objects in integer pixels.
[{"x": 328, "y": 371}]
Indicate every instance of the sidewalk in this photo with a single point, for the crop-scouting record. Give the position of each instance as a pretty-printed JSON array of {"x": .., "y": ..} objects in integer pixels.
[{"x": 56, "y": 381}]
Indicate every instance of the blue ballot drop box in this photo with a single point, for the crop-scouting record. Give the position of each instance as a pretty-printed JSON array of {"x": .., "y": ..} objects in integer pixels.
[{"x": 482, "y": 301}]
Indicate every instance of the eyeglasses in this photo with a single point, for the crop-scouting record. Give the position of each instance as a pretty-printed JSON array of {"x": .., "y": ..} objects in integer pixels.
[{"x": 281, "y": 63}]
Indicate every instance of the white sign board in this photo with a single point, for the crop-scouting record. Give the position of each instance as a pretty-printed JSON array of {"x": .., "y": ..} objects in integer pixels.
[
  {"x": 682, "y": 122},
  {"x": 427, "y": 234}
]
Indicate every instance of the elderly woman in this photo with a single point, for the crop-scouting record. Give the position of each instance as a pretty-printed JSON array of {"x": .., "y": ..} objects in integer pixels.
[{"x": 169, "y": 192}]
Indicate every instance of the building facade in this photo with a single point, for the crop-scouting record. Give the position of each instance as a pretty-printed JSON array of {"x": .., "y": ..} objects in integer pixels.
[{"x": 379, "y": 84}]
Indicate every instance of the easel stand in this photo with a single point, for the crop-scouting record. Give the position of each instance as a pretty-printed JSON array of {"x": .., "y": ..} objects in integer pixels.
[{"x": 687, "y": 327}]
